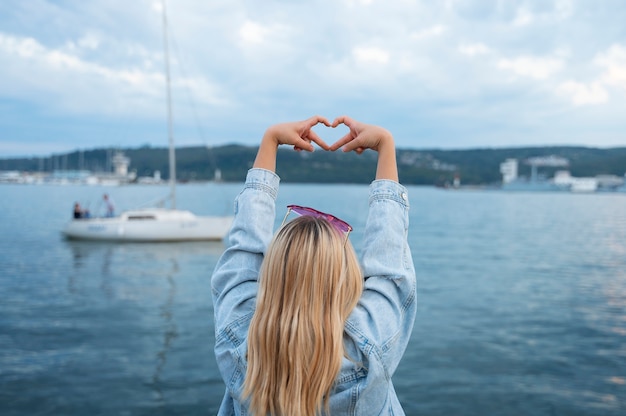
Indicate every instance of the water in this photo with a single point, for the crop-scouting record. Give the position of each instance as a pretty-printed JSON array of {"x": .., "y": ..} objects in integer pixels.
[{"x": 522, "y": 304}]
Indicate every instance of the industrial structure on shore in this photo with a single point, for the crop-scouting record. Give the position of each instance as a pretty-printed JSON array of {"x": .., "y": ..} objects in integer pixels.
[{"x": 562, "y": 181}]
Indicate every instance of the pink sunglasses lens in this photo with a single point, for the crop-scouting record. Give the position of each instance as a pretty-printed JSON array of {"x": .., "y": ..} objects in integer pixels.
[{"x": 339, "y": 224}]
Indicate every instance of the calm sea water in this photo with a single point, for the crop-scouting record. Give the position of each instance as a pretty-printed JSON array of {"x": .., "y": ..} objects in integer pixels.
[{"x": 522, "y": 304}]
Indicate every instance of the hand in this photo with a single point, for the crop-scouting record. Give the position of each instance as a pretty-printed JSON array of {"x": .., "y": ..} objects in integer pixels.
[
  {"x": 298, "y": 134},
  {"x": 361, "y": 136},
  {"x": 367, "y": 136}
]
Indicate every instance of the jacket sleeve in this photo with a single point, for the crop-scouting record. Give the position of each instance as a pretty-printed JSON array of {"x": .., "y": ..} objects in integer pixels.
[
  {"x": 382, "y": 322},
  {"x": 234, "y": 281}
]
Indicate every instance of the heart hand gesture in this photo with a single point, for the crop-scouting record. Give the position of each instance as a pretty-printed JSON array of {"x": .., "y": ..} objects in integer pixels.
[{"x": 360, "y": 137}]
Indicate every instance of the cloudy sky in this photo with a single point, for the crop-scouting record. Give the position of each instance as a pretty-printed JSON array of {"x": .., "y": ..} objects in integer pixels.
[{"x": 450, "y": 74}]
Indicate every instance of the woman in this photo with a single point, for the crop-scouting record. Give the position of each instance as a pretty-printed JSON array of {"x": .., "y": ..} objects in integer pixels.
[{"x": 300, "y": 328}]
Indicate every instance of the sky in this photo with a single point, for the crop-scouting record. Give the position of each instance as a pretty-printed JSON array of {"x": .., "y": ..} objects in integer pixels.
[{"x": 448, "y": 74}]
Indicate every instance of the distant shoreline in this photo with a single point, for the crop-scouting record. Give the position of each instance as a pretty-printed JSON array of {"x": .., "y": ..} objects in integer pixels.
[{"x": 473, "y": 167}]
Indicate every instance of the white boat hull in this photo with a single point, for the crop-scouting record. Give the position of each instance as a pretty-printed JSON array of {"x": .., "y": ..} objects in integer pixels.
[{"x": 150, "y": 225}]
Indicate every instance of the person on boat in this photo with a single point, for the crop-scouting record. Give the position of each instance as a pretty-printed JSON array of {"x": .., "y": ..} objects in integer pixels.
[
  {"x": 109, "y": 206},
  {"x": 78, "y": 212},
  {"x": 300, "y": 327}
]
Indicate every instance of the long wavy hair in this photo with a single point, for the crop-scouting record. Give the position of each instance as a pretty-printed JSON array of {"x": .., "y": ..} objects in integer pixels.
[{"x": 309, "y": 283}]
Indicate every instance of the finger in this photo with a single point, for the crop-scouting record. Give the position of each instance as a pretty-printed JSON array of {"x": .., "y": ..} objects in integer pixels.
[
  {"x": 312, "y": 121},
  {"x": 342, "y": 141},
  {"x": 337, "y": 121},
  {"x": 358, "y": 150},
  {"x": 303, "y": 144},
  {"x": 318, "y": 140},
  {"x": 348, "y": 121},
  {"x": 354, "y": 145}
]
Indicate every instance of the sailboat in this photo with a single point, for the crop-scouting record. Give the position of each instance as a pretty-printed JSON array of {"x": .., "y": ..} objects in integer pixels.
[{"x": 153, "y": 224}]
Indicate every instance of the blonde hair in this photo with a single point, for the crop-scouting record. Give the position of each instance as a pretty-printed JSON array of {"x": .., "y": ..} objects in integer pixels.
[{"x": 309, "y": 283}]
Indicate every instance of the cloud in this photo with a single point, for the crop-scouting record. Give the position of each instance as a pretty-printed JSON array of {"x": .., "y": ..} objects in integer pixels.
[
  {"x": 563, "y": 9},
  {"x": 89, "y": 42},
  {"x": 531, "y": 13},
  {"x": 369, "y": 55},
  {"x": 436, "y": 30},
  {"x": 584, "y": 94},
  {"x": 532, "y": 67},
  {"x": 253, "y": 33},
  {"x": 413, "y": 65},
  {"x": 614, "y": 63},
  {"x": 473, "y": 49},
  {"x": 56, "y": 72},
  {"x": 523, "y": 17},
  {"x": 594, "y": 92},
  {"x": 95, "y": 88}
]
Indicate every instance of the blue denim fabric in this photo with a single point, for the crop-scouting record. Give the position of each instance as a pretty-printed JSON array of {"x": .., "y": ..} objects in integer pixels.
[{"x": 376, "y": 332}]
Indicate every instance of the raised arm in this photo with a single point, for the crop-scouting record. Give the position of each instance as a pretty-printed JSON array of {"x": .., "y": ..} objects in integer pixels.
[
  {"x": 234, "y": 280},
  {"x": 382, "y": 322}
]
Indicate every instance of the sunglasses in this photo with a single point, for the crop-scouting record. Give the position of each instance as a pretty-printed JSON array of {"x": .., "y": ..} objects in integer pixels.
[{"x": 337, "y": 223}]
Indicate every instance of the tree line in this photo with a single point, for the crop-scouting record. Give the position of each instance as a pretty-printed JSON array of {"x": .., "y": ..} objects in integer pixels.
[{"x": 416, "y": 167}]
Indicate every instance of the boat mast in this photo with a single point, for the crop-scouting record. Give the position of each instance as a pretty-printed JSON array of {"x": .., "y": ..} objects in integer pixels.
[{"x": 170, "y": 129}]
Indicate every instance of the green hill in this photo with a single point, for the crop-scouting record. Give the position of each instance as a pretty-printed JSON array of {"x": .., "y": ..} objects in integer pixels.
[{"x": 421, "y": 167}]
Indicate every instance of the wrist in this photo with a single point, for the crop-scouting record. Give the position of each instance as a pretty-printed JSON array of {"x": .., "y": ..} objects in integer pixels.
[
  {"x": 386, "y": 143},
  {"x": 387, "y": 167},
  {"x": 270, "y": 138},
  {"x": 266, "y": 155}
]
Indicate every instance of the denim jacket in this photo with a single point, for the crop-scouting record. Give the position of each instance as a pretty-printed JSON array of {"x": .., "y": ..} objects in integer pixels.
[{"x": 376, "y": 332}]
